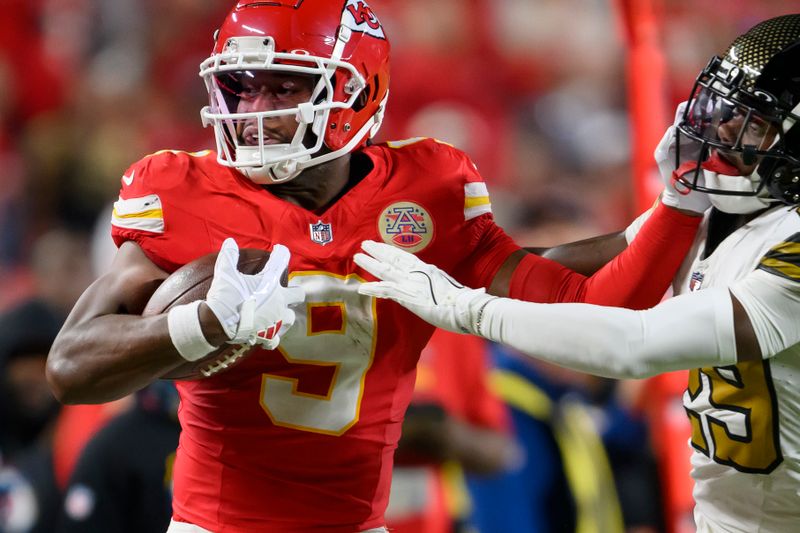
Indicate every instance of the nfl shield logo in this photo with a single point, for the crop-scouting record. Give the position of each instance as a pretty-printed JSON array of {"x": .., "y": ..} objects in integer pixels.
[
  {"x": 321, "y": 233},
  {"x": 696, "y": 281}
]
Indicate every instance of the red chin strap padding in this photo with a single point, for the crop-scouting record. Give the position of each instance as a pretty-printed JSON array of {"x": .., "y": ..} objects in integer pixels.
[{"x": 713, "y": 164}]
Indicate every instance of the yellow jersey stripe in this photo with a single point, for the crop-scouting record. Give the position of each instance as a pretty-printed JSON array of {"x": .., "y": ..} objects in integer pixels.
[
  {"x": 780, "y": 268},
  {"x": 792, "y": 248},
  {"x": 152, "y": 213},
  {"x": 783, "y": 259},
  {"x": 474, "y": 202},
  {"x": 140, "y": 214}
]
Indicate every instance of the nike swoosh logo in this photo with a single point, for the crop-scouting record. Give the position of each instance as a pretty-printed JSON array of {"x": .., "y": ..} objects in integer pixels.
[{"x": 128, "y": 179}]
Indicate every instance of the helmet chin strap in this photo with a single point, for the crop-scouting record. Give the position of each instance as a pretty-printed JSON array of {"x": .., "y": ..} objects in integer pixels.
[
  {"x": 717, "y": 174},
  {"x": 272, "y": 174},
  {"x": 277, "y": 172},
  {"x": 737, "y": 205}
]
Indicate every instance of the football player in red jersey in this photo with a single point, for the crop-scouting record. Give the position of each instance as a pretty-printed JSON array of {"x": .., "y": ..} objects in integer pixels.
[{"x": 300, "y": 434}]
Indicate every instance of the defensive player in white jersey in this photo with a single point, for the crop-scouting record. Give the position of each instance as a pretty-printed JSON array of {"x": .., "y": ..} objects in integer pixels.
[{"x": 734, "y": 321}]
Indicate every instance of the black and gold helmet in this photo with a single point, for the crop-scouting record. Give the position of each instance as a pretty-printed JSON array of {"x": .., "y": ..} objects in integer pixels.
[{"x": 744, "y": 109}]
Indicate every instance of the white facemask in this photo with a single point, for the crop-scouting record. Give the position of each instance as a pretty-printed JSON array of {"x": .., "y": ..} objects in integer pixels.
[{"x": 738, "y": 205}]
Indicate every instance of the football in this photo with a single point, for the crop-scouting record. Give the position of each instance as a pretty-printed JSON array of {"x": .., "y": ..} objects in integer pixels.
[{"x": 189, "y": 283}]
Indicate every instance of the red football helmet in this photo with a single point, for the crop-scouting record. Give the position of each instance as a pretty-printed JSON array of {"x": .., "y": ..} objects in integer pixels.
[{"x": 339, "y": 42}]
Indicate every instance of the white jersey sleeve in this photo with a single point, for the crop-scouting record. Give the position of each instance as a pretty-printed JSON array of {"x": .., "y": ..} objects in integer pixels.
[
  {"x": 689, "y": 331},
  {"x": 771, "y": 297}
]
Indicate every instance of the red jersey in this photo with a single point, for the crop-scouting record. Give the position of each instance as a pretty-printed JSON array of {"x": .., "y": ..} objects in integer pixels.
[{"x": 302, "y": 438}]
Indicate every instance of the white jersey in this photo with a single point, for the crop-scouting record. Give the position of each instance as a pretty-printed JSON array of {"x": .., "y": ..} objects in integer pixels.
[{"x": 746, "y": 418}]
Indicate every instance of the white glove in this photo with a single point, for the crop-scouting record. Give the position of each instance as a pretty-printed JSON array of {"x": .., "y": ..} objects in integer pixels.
[
  {"x": 423, "y": 289},
  {"x": 675, "y": 194},
  {"x": 253, "y": 309}
]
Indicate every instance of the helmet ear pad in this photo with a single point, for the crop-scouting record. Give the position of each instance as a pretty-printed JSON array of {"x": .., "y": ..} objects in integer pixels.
[
  {"x": 343, "y": 124},
  {"x": 782, "y": 179}
]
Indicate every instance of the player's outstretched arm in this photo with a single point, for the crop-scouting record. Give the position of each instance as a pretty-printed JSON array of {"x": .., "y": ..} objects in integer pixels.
[
  {"x": 602, "y": 270},
  {"x": 586, "y": 256},
  {"x": 712, "y": 327},
  {"x": 638, "y": 277}
]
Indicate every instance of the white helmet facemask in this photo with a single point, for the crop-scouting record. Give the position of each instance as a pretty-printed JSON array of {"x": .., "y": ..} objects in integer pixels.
[{"x": 262, "y": 160}]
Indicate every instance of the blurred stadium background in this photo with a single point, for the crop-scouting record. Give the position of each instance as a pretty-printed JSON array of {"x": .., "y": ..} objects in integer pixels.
[
  {"x": 559, "y": 102},
  {"x": 536, "y": 91}
]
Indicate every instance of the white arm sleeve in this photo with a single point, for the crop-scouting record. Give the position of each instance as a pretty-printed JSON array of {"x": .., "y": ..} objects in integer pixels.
[
  {"x": 689, "y": 331},
  {"x": 773, "y": 305}
]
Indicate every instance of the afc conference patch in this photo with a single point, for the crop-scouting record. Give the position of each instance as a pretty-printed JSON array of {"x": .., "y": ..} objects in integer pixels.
[
  {"x": 406, "y": 225},
  {"x": 321, "y": 233}
]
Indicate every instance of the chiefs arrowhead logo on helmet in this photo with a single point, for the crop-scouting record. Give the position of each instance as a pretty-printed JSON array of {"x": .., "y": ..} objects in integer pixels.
[{"x": 363, "y": 19}]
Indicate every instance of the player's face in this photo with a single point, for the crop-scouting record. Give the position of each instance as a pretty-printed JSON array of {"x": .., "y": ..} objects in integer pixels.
[
  {"x": 752, "y": 131},
  {"x": 739, "y": 132},
  {"x": 270, "y": 91}
]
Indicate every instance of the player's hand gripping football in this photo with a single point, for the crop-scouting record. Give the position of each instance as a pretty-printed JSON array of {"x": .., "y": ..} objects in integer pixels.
[
  {"x": 252, "y": 309},
  {"x": 675, "y": 194},
  {"x": 423, "y": 289}
]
